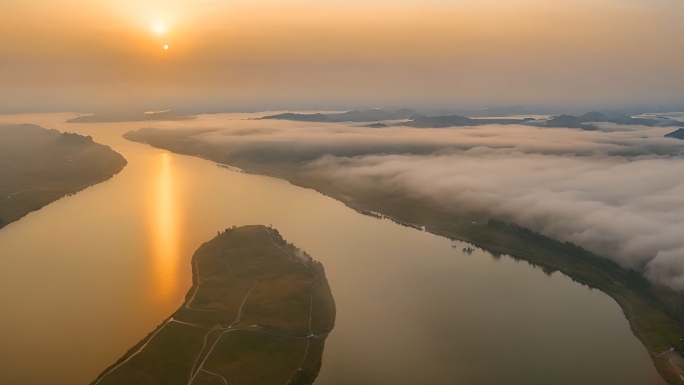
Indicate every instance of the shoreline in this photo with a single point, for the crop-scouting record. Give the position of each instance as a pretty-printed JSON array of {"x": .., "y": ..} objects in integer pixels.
[
  {"x": 611, "y": 280},
  {"x": 47, "y": 182},
  {"x": 216, "y": 321}
]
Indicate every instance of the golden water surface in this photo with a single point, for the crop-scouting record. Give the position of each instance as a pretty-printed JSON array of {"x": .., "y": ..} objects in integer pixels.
[{"x": 85, "y": 278}]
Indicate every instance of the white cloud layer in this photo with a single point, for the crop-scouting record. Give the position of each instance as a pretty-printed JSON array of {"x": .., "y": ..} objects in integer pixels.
[{"x": 618, "y": 192}]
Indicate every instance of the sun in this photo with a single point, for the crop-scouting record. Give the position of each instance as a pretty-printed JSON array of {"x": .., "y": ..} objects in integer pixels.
[
  {"x": 159, "y": 27},
  {"x": 166, "y": 47}
]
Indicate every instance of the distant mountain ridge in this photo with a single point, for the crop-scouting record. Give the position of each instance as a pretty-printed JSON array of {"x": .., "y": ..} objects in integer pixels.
[
  {"x": 571, "y": 121},
  {"x": 473, "y": 118},
  {"x": 421, "y": 121},
  {"x": 493, "y": 111},
  {"x": 349, "y": 116},
  {"x": 565, "y": 121}
]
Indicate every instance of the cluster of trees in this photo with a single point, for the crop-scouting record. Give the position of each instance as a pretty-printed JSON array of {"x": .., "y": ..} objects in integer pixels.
[
  {"x": 74, "y": 139},
  {"x": 567, "y": 249}
]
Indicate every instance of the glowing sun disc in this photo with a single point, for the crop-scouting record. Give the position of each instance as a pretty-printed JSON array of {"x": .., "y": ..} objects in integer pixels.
[
  {"x": 159, "y": 28},
  {"x": 166, "y": 47}
]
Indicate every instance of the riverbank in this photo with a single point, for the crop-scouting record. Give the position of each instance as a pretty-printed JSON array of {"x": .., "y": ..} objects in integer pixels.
[
  {"x": 654, "y": 312},
  {"x": 657, "y": 311},
  {"x": 39, "y": 166},
  {"x": 256, "y": 302}
]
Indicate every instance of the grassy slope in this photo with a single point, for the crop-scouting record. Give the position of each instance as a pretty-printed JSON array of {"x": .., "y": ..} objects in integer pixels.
[
  {"x": 39, "y": 166},
  {"x": 655, "y": 313},
  {"x": 266, "y": 344}
]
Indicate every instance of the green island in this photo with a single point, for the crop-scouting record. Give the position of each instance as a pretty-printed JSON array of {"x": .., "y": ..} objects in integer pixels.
[
  {"x": 258, "y": 312},
  {"x": 655, "y": 312},
  {"x": 39, "y": 166}
]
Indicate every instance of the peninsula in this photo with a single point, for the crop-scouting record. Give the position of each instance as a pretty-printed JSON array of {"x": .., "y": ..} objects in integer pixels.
[
  {"x": 655, "y": 312},
  {"x": 39, "y": 166},
  {"x": 258, "y": 312}
]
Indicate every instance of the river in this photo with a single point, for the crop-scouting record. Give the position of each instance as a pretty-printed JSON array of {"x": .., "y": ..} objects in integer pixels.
[{"x": 88, "y": 276}]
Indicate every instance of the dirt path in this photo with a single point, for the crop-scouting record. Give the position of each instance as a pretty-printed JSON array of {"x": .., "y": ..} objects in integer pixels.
[{"x": 136, "y": 352}]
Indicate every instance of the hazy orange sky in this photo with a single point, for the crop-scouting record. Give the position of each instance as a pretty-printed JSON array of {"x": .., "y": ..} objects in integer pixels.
[{"x": 89, "y": 55}]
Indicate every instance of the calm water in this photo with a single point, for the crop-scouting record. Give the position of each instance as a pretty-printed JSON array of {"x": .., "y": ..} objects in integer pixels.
[{"x": 85, "y": 278}]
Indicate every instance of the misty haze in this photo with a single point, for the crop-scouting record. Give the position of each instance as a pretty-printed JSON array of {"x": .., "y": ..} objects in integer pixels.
[{"x": 333, "y": 193}]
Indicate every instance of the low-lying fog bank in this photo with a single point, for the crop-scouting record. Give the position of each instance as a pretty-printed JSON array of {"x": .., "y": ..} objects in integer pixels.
[{"x": 618, "y": 191}]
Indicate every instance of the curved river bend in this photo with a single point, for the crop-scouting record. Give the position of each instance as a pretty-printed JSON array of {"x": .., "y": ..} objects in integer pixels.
[{"x": 88, "y": 276}]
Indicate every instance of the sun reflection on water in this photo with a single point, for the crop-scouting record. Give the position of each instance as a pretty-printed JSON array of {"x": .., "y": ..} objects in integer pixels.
[{"x": 164, "y": 214}]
